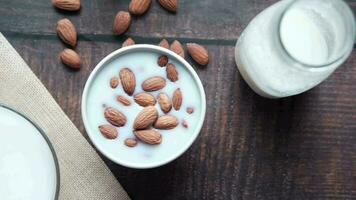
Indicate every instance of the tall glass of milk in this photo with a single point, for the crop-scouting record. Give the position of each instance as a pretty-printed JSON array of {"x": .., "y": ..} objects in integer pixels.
[{"x": 294, "y": 45}]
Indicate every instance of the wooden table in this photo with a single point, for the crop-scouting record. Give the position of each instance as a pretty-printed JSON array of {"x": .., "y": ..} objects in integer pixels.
[{"x": 303, "y": 147}]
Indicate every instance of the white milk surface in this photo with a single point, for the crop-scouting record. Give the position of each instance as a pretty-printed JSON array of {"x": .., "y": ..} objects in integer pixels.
[
  {"x": 144, "y": 65},
  {"x": 313, "y": 35},
  {"x": 27, "y": 167}
]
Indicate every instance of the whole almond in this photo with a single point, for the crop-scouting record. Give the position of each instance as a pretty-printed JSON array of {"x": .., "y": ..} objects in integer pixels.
[
  {"x": 138, "y": 7},
  {"x": 108, "y": 131},
  {"x": 145, "y": 118},
  {"x": 115, "y": 117},
  {"x": 70, "y": 5},
  {"x": 114, "y": 82},
  {"x": 166, "y": 122},
  {"x": 177, "y": 48},
  {"x": 66, "y": 31},
  {"x": 128, "y": 80},
  {"x": 149, "y": 136},
  {"x": 177, "y": 99},
  {"x": 172, "y": 73},
  {"x": 170, "y": 5},
  {"x": 130, "y": 142},
  {"x": 164, "y": 43},
  {"x": 70, "y": 58},
  {"x": 122, "y": 22},
  {"x": 198, "y": 53},
  {"x": 162, "y": 61},
  {"x": 153, "y": 84},
  {"x": 164, "y": 102},
  {"x": 145, "y": 99},
  {"x": 123, "y": 100},
  {"x": 128, "y": 42},
  {"x": 190, "y": 110}
]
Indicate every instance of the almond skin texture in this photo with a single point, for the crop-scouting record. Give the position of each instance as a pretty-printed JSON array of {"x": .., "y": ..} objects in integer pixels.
[
  {"x": 198, "y": 53},
  {"x": 130, "y": 142},
  {"x": 170, "y": 5},
  {"x": 151, "y": 137},
  {"x": 123, "y": 100},
  {"x": 114, "y": 82},
  {"x": 115, "y": 117},
  {"x": 122, "y": 22},
  {"x": 153, "y": 84},
  {"x": 164, "y": 102},
  {"x": 166, "y": 122},
  {"x": 172, "y": 73},
  {"x": 145, "y": 99},
  {"x": 138, "y": 7},
  {"x": 164, "y": 43},
  {"x": 128, "y": 42},
  {"x": 177, "y": 99},
  {"x": 177, "y": 48},
  {"x": 66, "y": 31},
  {"x": 108, "y": 131},
  {"x": 128, "y": 80},
  {"x": 145, "y": 118},
  {"x": 70, "y": 5},
  {"x": 70, "y": 58},
  {"x": 162, "y": 61}
]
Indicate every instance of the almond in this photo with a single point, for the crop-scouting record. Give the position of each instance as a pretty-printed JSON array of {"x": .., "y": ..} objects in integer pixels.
[
  {"x": 166, "y": 122},
  {"x": 114, "y": 82},
  {"x": 70, "y": 58},
  {"x": 164, "y": 102},
  {"x": 198, "y": 53},
  {"x": 131, "y": 142},
  {"x": 170, "y": 5},
  {"x": 145, "y": 118},
  {"x": 108, "y": 131},
  {"x": 164, "y": 43},
  {"x": 128, "y": 42},
  {"x": 115, "y": 117},
  {"x": 185, "y": 124},
  {"x": 172, "y": 73},
  {"x": 66, "y": 31},
  {"x": 149, "y": 136},
  {"x": 122, "y": 22},
  {"x": 144, "y": 99},
  {"x": 138, "y": 7},
  {"x": 153, "y": 84},
  {"x": 70, "y": 5},
  {"x": 128, "y": 80},
  {"x": 177, "y": 48},
  {"x": 190, "y": 110},
  {"x": 123, "y": 100},
  {"x": 177, "y": 99},
  {"x": 162, "y": 61}
]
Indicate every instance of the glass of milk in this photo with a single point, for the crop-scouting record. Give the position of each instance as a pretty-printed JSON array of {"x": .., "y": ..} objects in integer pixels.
[{"x": 294, "y": 45}]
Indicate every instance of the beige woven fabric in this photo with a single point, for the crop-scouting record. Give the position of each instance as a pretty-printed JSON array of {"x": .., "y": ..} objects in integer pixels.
[{"x": 83, "y": 174}]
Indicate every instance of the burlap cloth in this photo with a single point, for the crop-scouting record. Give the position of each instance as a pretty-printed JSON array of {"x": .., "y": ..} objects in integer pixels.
[{"x": 83, "y": 175}]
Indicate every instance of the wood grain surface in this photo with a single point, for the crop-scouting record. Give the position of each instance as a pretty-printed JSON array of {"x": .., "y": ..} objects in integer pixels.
[{"x": 302, "y": 147}]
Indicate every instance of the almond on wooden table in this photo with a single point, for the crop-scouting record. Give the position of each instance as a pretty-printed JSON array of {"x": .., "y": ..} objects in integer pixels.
[
  {"x": 70, "y": 58},
  {"x": 67, "y": 32},
  {"x": 122, "y": 22},
  {"x": 145, "y": 99},
  {"x": 164, "y": 43},
  {"x": 153, "y": 84},
  {"x": 123, "y": 100},
  {"x": 162, "y": 61},
  {"x": 177, "y": 48},
  {"x": 138, "y": 7},
  {"x": 115, "y": 117},
  {"x": 108, "y": 131},
  {"x": 198, "y": 53},
  {"x": 130, "y": 142},
  {"x": 177, "y": 99},
  {"x": 164, "y": 102},
  {"x": 70, "y": 5},
  {"x": 166, "y": 122},
  {"x": 170, "y": 5},
  {"x": 149, "y": 136},
  {"x": 128, "y": 80},
  {"x": 145, "y": 118},
  {"x": 128, "y": 42},
  {"x": 114, "y": 82},
  {"x": 172, "y": 73}
]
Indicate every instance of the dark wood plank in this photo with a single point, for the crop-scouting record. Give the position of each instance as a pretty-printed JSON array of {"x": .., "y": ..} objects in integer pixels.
[{"x": 301, "y": 147}]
